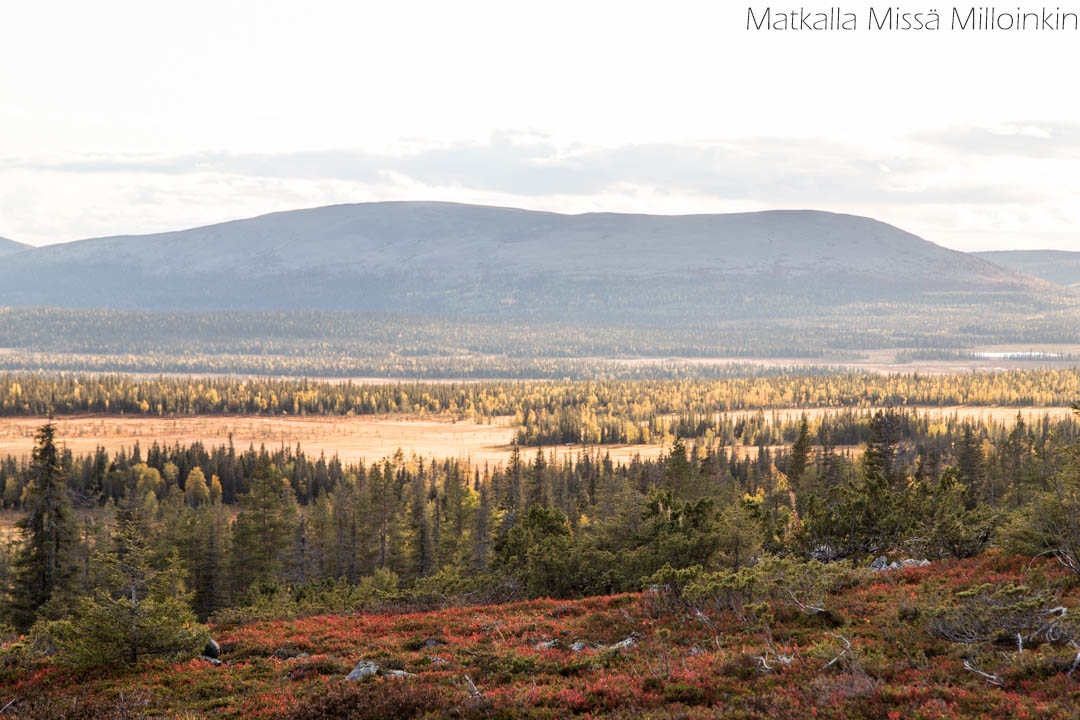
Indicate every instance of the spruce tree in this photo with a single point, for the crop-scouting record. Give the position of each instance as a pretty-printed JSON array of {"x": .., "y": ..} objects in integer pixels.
[
  {"x": 263, "y": 528},
  {"x": 969, "y": 465},
  {"x": 43, "y": 567},
  {"x": 140, "y": 612},
  {"x": 800, "y": 454},
  {"x": 678, "y": 473}
]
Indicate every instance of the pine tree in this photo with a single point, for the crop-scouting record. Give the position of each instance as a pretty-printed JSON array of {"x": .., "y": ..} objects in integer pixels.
[
  {"x": 739, "y": 537},
  {"x": 43, "y": 568}
]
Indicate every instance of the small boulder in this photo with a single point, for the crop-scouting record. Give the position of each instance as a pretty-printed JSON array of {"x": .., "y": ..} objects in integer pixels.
[
  {"x": 879, "y": 564},
  {"x": 363, "y": 669},
  {"x": 824, "y": 553},
  {"x": 547, "y": 644},
  {"x": 695, "y": 651},
  {"x": 397, "y": 673},
  {"x": 911, "y": 562},
  {"x": 433, "y": 642},
  {"x": 211, "y": 661},
  {"x": 625, "y": 643},
  {"x": 212, "y": 649},
  {"x": 436, "y": 660},
  {"x": 287, "y": 652},
  {"x": 578, "y": 646},
  {"x": 895, "y": 566}
]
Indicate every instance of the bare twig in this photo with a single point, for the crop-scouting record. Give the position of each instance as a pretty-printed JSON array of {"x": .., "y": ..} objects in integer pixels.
[
  {"x": 812, "y": 609},
  {"x": 12, "y": 700},
  {"x": 847, "y": 646},
  {"x": 990, "y": 678},
  {"x": 472, "y": 687}
]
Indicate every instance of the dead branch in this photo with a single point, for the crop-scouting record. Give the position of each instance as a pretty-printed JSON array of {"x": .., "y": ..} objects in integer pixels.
[
  {"x": 847, "y": 647},
  {"x": 990, "y": 678}
]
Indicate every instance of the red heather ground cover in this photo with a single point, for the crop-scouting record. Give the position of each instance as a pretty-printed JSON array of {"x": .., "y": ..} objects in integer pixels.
[{"x": 681, "y": 666}]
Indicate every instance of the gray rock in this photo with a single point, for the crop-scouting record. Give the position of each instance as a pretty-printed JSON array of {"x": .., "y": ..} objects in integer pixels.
[
  {"x": 433, "y": 642},
  {"x": 211, "y": 660},
  {"x": 625, "y": 643},
  {"x": 212, "y": 649},
  {"x": 362, "y": 670},
  {"x": 578, "y": 646},
  {"x": 880, "y": 563},
  {"x": 824, "y": 553},
  {"x": 287, "y": 652},
  {"x": 437, "y": 660},
  {"x": 895, "y": 566},
  {"x": 397, "y": 673},
  {"x": 910, "y": 562},
  {"x": 547, "y": 644},
  {"x": 695, "y": 651}
]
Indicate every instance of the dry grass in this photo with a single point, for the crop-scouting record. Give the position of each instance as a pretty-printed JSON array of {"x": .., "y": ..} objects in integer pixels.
[
  {"x": 352, "y": 439},
  {"x": 365, "y": 438}
]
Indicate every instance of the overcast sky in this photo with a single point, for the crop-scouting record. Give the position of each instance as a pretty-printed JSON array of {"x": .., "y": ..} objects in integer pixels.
[{"x": 133, "y": 117}]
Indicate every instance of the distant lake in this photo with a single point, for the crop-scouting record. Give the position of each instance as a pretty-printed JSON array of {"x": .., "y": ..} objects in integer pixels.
[{"x": 1017, "y": 355}]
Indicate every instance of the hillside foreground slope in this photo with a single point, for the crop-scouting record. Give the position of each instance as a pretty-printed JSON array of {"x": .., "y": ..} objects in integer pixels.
[{"x": 863, "y": 649}]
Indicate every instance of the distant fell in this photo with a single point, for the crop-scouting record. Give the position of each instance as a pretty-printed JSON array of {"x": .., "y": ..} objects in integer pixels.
[
  {"x": 1061, "y": 267},
  {"x": 10, "y": 246},
  {"x": 452, "y": 259}
]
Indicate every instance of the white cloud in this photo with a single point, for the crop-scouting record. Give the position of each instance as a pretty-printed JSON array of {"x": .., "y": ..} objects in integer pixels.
[{"x": 122, "y": 116}]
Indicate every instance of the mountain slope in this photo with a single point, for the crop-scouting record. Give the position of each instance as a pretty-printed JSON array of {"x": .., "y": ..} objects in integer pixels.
[
  {"x": 1060, "y": 267},
  {"x": 10, "y": 246},
  {"x": 443, "y": 257}
]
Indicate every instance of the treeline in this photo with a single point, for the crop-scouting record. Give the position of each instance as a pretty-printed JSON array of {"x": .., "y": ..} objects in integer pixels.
[
  {"x": 555, "y": 410},
  {"x": 394, "y": 366},
  {"x": 265, "y": 534},
  {"x": 843, "y": 427},
  {"x": 102, "y": 477},
  {"x": 907, "y": 356}
]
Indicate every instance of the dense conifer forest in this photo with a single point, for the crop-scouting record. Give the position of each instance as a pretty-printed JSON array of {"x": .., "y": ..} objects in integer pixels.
[
  {"x": 440, "y": 525},
  {"x": 354, "y": 344}
]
